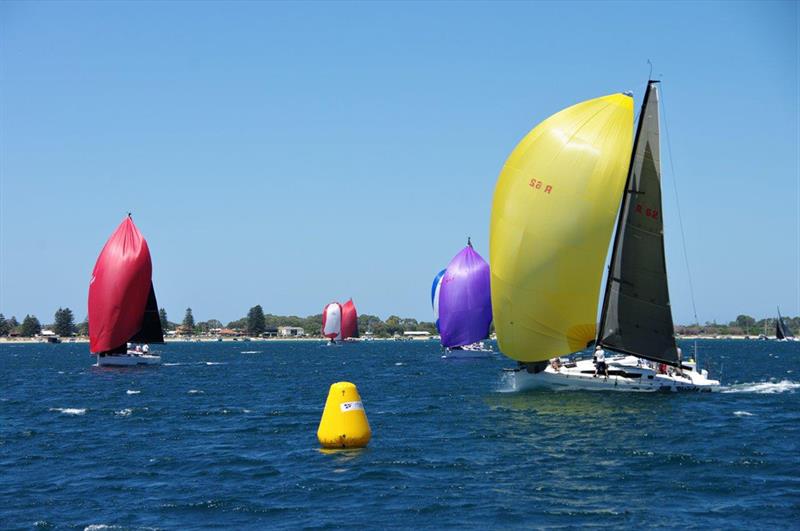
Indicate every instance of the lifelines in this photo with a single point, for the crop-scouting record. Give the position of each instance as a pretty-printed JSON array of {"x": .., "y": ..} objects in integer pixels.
[{"x": 344, "y": 422}]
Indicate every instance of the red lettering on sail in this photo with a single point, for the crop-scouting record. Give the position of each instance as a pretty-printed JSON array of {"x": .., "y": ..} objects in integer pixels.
[{"x": 537, "y": 185}]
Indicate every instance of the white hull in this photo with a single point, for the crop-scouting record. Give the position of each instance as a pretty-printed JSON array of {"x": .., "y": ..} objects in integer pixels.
[
  {"x": 128, "y": 360},
  {"x": 475, "y": 350},
  {"x": 626, "y": 373}
]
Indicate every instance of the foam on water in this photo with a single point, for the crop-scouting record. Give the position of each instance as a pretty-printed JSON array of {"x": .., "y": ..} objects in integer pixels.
[
  {"x": 195, "y": 392},
  {"x": 124, "y": 412},
  {"x": 764, "y": 388},
  {"x": 743, "y": 414},
  {"x": 69, "y": 410},
  {"x": 132, "y": 392},
  {"x": 214, "y": 363},
  {"x": 251, "y": 352}
]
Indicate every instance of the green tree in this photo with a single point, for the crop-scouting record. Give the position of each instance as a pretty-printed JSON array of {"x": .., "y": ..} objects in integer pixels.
[
  {"x": 213, "y": 323},
  {"x": 30, "y": 326},
  {"x": 256, "y": 324},
  {"x": 13, "y": 324},
  {"x": 162, "y": 315},
  {"x": 4, "y": 326},
  {"x": 83, "y": 328},
  {"x": 64, "y": 322},
  {"x": 188, "y": 322},
  {"x": 745, "y": 322},
  {"x": 238, "y": 324}
]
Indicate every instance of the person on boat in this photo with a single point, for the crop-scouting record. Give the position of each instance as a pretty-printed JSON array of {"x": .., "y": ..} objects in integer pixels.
[
  {"x": 146, "y": 349},
  {"x": 600, "y": 361},
  {"x": 555, "y": 363}
]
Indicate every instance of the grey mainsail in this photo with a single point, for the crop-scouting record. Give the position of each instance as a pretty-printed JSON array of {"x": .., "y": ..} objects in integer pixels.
[
  {"x": 636, "y": 317},
  {"x": 781, "y": 330}
]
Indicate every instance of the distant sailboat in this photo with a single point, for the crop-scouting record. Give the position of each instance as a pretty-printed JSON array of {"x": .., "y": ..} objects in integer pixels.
[
  {"x": 332, "y": 321},
  {"x": 435, "y": 291},
  {"x": 782, "y": 331},
  {"x": 552, "y": 217},
  {"x": 349, "y": 320},
  {"x": 464, "y": 302},
  {"x": 122, "y": 301}
]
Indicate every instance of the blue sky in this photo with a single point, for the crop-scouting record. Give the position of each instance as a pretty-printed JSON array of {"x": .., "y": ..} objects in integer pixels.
[{"x": 290, "y": 154}]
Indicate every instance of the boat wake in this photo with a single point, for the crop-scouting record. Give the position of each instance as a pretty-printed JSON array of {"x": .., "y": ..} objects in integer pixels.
[
  {"x": 763, "y": 388},
  {"x": 69, "y": 410}
]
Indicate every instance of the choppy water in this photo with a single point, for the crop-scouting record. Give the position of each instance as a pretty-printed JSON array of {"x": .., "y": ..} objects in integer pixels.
[{"x": 224, "y": 434}]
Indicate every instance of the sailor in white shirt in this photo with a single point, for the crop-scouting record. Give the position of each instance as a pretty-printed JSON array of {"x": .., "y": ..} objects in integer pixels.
[{"x": 600, "y": 361}]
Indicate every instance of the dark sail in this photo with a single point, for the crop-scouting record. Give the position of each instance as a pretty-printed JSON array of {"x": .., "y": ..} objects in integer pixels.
[
  {"x": 636, "y": 317},
  {"x": 781, "y": 330},
  {"x": 151, "y": 331}
]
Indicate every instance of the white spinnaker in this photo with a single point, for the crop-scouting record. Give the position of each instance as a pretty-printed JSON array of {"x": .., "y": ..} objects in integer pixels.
[
  {"x": 436, "y": 300},
  {"x": 332, "y": 326}
]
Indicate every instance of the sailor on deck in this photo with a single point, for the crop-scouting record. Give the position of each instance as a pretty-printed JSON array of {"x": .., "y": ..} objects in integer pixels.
[{"x": 600, "y": 361}]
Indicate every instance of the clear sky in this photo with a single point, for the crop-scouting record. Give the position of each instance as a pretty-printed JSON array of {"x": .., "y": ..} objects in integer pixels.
[{"x": 291, "y": 154}]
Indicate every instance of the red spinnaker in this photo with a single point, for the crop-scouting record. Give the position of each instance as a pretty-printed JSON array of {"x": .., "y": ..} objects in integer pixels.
[
  {"x": 121, "y": 292},
  {"x": 349, "y": 320}
]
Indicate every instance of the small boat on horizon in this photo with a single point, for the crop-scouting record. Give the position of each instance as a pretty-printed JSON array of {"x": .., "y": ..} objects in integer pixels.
[
  {"x": 782, "y": 331},
  {"x": 553, "y": 213},
  {"x": 123, "y": 312}
]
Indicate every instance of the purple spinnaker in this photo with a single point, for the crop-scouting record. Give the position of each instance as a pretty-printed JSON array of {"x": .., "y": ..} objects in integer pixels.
[{"x": 465, "y": 300}]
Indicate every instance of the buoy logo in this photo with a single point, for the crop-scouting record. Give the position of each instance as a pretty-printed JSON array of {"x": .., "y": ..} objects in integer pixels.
[{"x": 351, "y": 406}]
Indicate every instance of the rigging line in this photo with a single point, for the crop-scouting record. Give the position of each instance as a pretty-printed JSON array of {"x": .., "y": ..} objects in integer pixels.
[{"x": 678, "y": 206}]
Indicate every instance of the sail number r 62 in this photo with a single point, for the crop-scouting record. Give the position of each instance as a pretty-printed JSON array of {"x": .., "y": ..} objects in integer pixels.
[{"x": 539, "y": 185}]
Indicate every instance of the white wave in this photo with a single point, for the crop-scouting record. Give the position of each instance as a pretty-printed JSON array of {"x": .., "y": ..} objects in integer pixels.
[
  {"x": 69, "y": 410},
  {"x": 251, "y": 352},
  {"x": 172, "y": 364},
  {"x": 124, "y": 412},
  {"x": 132, "y": 392},
  {"x": 100, "y": 527},
  {"x": 743, "y": 414},
  {"x": 764, "y": 388},
  {"x": 247, "y": 411},
  {"x": 215, "y": 363},
  {"x": 399, "y": 363},
  {"x": 196, "y": 392}
]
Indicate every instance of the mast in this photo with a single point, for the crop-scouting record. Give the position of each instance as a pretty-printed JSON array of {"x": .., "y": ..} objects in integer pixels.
[{"x": 636, "y": 316}]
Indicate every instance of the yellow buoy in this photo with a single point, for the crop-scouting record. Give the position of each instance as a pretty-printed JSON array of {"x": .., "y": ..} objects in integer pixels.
[{"x": 344, "y": 422}]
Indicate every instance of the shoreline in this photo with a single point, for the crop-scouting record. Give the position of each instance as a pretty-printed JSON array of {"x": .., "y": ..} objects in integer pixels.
[{"x": 29, "y": 340}]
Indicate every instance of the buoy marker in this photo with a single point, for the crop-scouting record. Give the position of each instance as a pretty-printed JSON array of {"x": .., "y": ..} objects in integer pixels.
[{"x": 344, "y": 422}]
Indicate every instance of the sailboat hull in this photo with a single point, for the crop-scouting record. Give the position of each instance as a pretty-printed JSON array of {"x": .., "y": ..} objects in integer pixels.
[
  {"x": 128, "y": 360},
  {"x": 625, "y": 374}
]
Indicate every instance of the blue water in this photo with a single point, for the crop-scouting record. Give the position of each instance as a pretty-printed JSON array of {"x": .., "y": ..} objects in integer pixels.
[{"x": 224, "y": 434}]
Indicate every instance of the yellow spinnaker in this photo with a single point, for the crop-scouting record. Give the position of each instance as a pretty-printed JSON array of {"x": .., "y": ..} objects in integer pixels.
[{"x": 552, "y": 216}]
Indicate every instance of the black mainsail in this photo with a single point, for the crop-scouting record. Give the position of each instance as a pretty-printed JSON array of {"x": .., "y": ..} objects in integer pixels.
[
  {"x": 781, "y": 330},
  {"x": 636, "y": 317}
]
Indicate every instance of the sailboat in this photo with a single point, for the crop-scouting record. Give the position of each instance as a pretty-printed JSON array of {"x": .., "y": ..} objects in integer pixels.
[
  {"x": 553, "y": 213},
  {"x": 123, "y": 311},
  {"x": 435, "y": 291},
  {"x": 464, "y": 305},
  {"x": 782, "y": 332},
  {"x": 349, "y": 321},
  {"x": 332, "y": 321}
]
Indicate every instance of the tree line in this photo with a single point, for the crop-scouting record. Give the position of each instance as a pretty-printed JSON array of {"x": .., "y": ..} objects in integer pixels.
[{"x": 256, "y": 322}]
